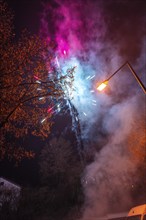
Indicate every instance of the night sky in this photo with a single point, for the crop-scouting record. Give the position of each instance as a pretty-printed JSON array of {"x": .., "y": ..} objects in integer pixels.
[
  {"x": 98, "y": 37},
  {"x": 27, "y": 15}
]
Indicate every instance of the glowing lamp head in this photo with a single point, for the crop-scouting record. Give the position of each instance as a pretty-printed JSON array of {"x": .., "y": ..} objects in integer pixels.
[{"x": 102, "y": 85}]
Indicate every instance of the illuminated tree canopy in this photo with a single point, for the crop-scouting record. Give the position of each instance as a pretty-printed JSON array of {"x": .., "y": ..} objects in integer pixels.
[{"x": 29, "y": 83}]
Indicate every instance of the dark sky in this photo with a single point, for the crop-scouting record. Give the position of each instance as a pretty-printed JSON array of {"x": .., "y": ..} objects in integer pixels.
[{"x": 26, "y": 14}]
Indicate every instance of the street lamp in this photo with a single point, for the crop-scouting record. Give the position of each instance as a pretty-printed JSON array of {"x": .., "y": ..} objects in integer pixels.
[{"x": 105, "y": 82}]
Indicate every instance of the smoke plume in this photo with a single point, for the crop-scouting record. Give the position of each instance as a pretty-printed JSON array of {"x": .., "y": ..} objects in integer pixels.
[{"x": 98, "y": 37}]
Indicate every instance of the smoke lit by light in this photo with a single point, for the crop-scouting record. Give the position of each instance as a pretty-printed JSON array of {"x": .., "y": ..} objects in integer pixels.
[{"x": 93, "y": 41}]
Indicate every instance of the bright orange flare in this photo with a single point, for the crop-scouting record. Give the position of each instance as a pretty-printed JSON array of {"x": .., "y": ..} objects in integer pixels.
[{"x": 102, "y": 85}]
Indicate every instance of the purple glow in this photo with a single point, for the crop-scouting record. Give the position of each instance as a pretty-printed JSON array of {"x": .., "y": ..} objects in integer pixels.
[
  {"x": 63, "y": 48},
  {"x": 74, "y": 33}
]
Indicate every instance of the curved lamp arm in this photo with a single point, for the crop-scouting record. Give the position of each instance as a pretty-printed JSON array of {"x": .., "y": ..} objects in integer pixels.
[{"x": 105, "y": 82}]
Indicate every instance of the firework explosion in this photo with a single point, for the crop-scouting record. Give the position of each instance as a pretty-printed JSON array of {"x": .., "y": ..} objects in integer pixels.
[
  {"x": 63, "y": 82},
  {"x": 62, "y": 85},
  {"x": 69, "y": 54},
  {"x": 89, "y": 36},
  {"x": 81, "y": 42}
]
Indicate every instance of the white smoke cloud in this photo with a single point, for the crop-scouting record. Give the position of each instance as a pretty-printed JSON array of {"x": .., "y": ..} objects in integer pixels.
[{"x": 108, "y": 180}]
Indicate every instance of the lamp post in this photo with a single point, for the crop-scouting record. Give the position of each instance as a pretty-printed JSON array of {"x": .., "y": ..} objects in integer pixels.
[{"x": 105, "y": 82}]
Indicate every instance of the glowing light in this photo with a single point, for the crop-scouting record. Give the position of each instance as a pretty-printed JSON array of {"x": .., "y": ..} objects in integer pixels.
[
  {"x": 41, "y": 98},
  {"x": 39, "y": 89},
  {"x": 88, "y": 77},
  {"x": 64, "y": 52},
  {"x": 84, "y": 113},
  {"x": 49, "y": 109},
  {"x": 92, "y": 77},
  {"x": 58, "y": 107},
  {"x": 92, "y": 91},
  {"x": 36, "y": 77},
  {"x": 57, "y": 62},
  {"x": 43, "y": 120},
  {"x": 37, "y": 81},
  {"x": 102, "y": 86}
]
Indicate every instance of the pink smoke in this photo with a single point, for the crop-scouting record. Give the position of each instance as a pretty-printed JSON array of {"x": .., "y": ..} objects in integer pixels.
[{"x": 70, "y": 27}]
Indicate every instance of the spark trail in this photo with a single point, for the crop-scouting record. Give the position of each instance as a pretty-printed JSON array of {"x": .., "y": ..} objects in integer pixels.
[
  {"x": 97, "y": 37},
  {"x": 71, "y": 90}
]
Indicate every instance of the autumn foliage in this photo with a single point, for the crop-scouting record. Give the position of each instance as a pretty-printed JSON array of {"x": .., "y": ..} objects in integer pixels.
[
  {"x": 24, "y": 61},
  {"x": 137, "y": 141}
]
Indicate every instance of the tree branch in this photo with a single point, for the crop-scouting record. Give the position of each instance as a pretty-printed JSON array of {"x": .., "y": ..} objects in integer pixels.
[{"x": 26, "y": 100}]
